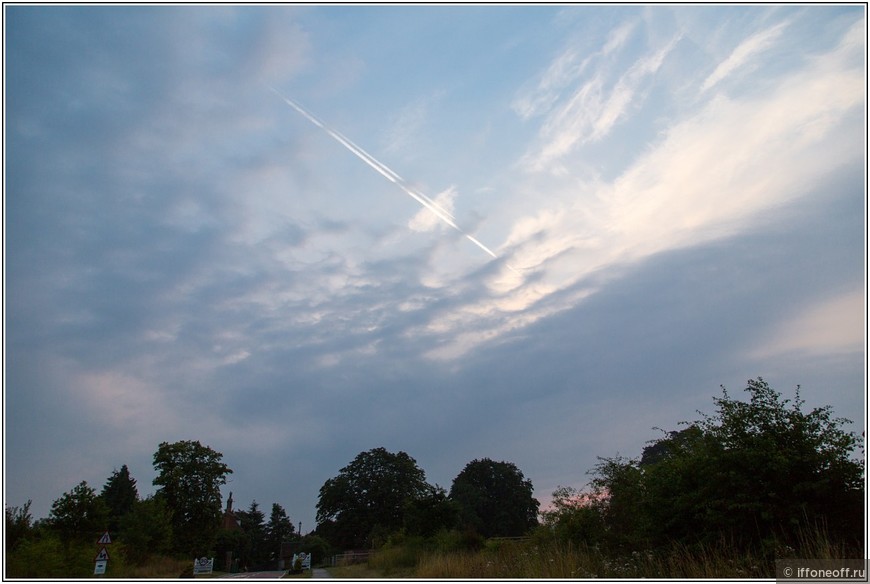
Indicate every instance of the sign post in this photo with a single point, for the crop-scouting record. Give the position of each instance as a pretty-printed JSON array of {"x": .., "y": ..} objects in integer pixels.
[{"x": 101, "y": 561}]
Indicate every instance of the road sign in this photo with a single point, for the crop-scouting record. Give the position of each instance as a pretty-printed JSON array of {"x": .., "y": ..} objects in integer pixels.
[
  {"x": 100, "y": 567},
  {"x": 203, "y": 566},
  {"x": 102, "y": 556},
  {"x": 105, "y": 539}
]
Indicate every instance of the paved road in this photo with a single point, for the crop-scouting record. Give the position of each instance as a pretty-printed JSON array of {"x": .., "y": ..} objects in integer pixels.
[
  {"x": 273, "y": 575},
  {"x": 320, "y": 574}
]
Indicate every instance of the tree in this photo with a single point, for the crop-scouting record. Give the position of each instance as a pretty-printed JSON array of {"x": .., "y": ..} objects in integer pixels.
[
  {"x": 431, "y": 513},
  {"x": 495, "y": 499},
  {"x": 574, "y": 516},
  {"x": 279, "y": 529},
  {"x": 18, "y": 525},
  {"x": 754, "y": 472},
  {"x": 119, "y": 494},
  {"x": 189, "y": 477},
  {"x": 146, "y": 529},
  {"x": 254, "y": 528},
  {"x": 78, "y": 514},
  {"x": 368, "y": 497}
]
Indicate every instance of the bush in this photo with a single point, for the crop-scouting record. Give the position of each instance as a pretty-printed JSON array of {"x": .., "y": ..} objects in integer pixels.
[{"x": 454, "y": 541}]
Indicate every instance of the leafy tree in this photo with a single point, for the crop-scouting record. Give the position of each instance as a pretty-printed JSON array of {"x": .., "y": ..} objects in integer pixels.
[
  {"x": 368, "y": 497},
  {"x": 119, "y": 494},
  {"x": 18, "y": 525},
  {"x": 318, "y": 547},
  {"x": 495, "y": 499},
  {"x": 189, "y": 477},
  {"x": 278, "y": 530},
  {"x": 79, "y": 514},
  {"x": 431, "y": 513},
  {"x": 146, "y": 529},
  {"x": 754, "y": 472}
]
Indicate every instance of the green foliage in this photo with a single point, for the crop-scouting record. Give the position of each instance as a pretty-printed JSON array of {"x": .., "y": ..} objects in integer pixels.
[
  {"x": 318, "y": 547},
  {"x": 366, "y": 501},
  {"x": 189, "y": 477},
  {"x": 119, "y": 494},
  {"x": 756, "y": 474},
  {"x": 146, "y": 530},
  {"x": 47, "y": 555},
  {"x": 78, "y": 514},
  {"x": 279, "y": 529},
  {"x": 573, "y": 517},
  {"x": 454, "y": 540},
  {"x": 18, "y": 525},
  {"x": 256, "y": 552},
  {"x": 431, "y": 513},
  {"x": 495, "y": 499}
]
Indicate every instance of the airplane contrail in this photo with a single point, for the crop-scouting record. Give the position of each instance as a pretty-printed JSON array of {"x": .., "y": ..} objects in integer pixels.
[{"x": 386, "y": 172}]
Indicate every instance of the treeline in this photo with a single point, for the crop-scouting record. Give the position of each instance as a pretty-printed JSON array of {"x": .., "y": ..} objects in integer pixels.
[
  {"x": 382, "y": 495},
  {"x": 758, "y": 479},
  {"x": 182, "y": 519}
]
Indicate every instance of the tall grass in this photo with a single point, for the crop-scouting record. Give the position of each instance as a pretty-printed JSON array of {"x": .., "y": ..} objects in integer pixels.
[
  {"x": 558, "y": 560},
  {"x": 155, "y": 567}
]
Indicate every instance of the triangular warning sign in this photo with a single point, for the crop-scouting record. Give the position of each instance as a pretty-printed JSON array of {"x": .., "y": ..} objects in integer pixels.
[
  {"x": 105, "y": 539},
  {"x": 102, "y": 556}
]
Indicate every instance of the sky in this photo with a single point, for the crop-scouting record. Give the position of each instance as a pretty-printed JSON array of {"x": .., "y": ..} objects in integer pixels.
[{"x": 673, "y": 198}]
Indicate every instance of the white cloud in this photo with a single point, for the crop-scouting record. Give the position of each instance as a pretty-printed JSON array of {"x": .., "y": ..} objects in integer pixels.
[
  {"x": 564, "y": 70},
  {"x": 740, "y": 57},
  {"x": 710, "y": 176},
  {"x": 593, "y": 109}
]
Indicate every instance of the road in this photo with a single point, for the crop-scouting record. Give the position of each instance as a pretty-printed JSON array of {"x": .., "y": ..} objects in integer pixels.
[
  {"x": 272, "y": 575},
  {"x": 316, "y": 574}
]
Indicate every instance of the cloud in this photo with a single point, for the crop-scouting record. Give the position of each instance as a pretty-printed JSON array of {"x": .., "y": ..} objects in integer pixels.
[
  {"x": 594, "y": 106},
  {"x": 187, "y": 258},
  {"x": 691, "y": 187},
  {"x": 563, "y": 71},
  {"x": 741, "y": 55}
]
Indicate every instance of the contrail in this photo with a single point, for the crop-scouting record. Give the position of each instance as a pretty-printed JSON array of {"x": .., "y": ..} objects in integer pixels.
[{"x": 386, "y": 172}]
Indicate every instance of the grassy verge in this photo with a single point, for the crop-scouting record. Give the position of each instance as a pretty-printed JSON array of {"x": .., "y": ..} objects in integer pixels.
[
  {"x": 534, "y": 559},
  {"x": 357, "y": 572}
]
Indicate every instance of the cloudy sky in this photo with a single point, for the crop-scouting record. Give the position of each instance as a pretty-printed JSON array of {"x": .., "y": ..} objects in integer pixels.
[{"x": 674, "y": 196}]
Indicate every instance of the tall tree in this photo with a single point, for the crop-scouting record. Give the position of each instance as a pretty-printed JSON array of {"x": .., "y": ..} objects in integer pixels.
[
  {"x": 279, "y": 529},
  {"x": 79, "y": 514},
  {"x": 495, "y": 499},
  {"x": 254, "y": 528},
  {"x": 189, "y": 477},
  {"x": 368, "y": 497},
  {"x": 119, "y": 494}
]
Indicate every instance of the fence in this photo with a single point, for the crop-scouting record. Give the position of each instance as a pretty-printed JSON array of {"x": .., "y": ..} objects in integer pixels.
[{"x": 350, "y": 557}]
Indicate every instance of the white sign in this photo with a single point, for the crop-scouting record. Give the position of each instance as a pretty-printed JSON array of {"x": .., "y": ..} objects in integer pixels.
[
  {"x": 105, "y": 539},
  {"x": 103, "y": 556},
  {"x": 203, "y": 566},
  {"x": 305, "y": 560},
  {"x": 100, "y": 567}
]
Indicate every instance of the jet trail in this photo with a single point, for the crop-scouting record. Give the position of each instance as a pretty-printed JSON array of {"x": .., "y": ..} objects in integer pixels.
[{"x": 385, "y": 171}]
